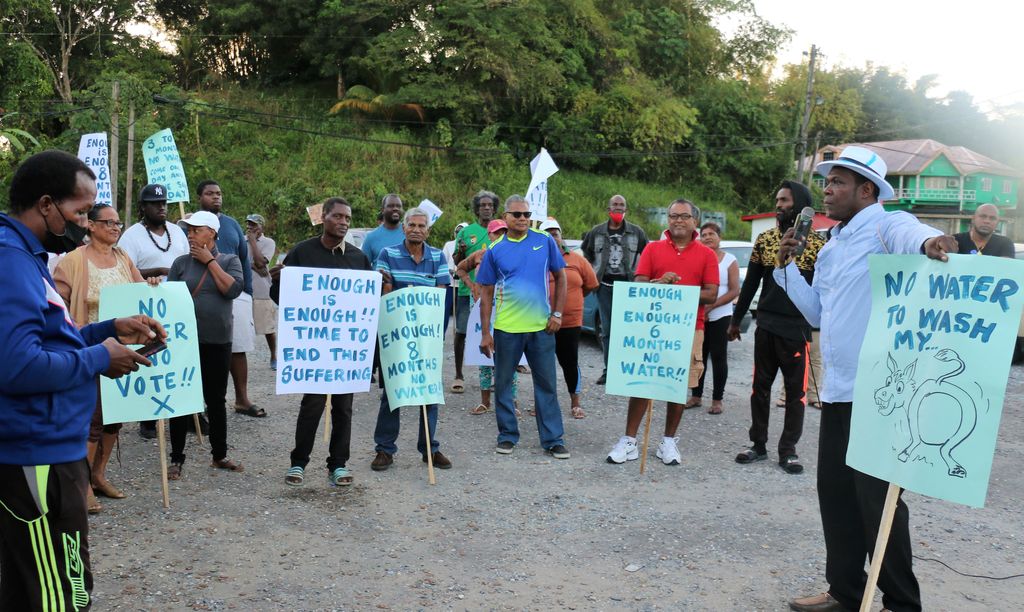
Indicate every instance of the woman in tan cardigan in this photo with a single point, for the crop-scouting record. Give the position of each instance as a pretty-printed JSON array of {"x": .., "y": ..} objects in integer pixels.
[{"x": 80, "y": 276}]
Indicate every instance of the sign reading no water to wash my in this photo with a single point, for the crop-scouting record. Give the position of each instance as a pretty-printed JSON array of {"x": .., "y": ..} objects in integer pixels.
[
  {"x": 651, "y": 339},
  {"x": 326, "y": 330}
]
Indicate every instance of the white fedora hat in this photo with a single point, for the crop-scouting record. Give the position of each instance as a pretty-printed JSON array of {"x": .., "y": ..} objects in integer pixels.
[{"x": 864, "y": 162}]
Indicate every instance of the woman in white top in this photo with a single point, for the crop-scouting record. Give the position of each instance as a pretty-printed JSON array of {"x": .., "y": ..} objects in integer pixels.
[{"x": 718, "y": 315}]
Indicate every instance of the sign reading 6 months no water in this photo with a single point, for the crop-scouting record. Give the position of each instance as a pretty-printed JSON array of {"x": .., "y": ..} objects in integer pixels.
[{"x": 652, "y": 334}]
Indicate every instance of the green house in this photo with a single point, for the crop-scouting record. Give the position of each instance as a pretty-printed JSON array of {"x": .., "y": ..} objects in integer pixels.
[{"x": 941, "y": 185}]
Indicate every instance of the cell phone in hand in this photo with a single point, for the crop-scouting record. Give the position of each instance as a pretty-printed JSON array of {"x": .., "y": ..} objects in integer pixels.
[{"x": 152, "y": 348}]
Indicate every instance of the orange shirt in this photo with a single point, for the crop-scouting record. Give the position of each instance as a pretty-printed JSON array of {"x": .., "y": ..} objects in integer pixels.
[{"x": 579, "y": 275}]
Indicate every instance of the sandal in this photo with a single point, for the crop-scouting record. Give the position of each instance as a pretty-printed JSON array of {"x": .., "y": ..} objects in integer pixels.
[
  {"x": 253, "y": 411},
  {"x": 108, "y": 490},
  {"x": 577, "y": 412},
  {"x": 695, "y": 402},
  {"x": 295, "y": 476},
  {"x": 340, "y": 477},
  {"x": 227, "y": 464},
  {"x": 750, "y": 456},
  {"x": 791, "y": 463},
  {"x": 174, "y": 472},
  {"x": 480, "y": 409},
  {"x": 522, "y": 369},
  {"x": 458, "y": 385},
  {"x": 716, "y": 407},
  {"x": 532, "y": 412},
  {"x": 93, "y": 505}
]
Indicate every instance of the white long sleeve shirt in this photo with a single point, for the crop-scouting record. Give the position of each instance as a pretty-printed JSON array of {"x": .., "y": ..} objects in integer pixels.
[{"x": 839, "y": 301}]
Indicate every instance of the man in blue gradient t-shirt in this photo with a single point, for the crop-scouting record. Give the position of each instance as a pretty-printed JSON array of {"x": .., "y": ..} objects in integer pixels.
[{"x": 513, "y": 277}]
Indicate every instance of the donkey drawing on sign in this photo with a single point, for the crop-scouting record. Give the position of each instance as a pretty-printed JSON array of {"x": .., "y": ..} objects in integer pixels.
[{"x": 939, "y": 413}]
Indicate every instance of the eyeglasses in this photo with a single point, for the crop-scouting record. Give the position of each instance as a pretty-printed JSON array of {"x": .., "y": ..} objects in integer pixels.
[
  {"x": 110, "y": 223},
  {"x": 680, "y": 217},
  {"x": 519, "y": 214}
]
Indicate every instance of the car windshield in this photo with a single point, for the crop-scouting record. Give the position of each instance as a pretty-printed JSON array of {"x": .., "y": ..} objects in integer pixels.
[{"x": 741, "y": 253}]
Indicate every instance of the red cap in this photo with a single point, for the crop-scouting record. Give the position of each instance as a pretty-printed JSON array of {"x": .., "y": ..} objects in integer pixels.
[{"x": 496, "y": 225}]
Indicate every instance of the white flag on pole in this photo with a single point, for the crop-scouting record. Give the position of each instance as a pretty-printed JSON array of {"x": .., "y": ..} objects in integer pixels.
[
  {"x": 541, "y": 168},
  {"x": 431, "y": 209}
]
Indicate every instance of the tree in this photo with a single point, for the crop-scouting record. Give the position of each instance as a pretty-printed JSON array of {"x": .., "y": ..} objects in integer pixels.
[{"x": 55, "y": 32}]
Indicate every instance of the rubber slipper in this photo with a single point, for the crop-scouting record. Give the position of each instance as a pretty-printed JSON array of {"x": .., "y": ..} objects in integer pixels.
[
  {"x": 577, "y": 412},
  {"x": 480, "y": 409},
  {"x": 791, "y": 463},
  {"x": 227, "y": 464},
  {"x": 458, "y": 386},
  {"x": 295, "y": 476},
  {"x": 750, "y": 456}
]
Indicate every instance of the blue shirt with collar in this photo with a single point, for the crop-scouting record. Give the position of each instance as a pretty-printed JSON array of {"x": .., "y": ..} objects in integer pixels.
[
  {"x": 839, "y": 300},
  {"x": 231, "y": 241},
  {"x": 431, "y": 271}
]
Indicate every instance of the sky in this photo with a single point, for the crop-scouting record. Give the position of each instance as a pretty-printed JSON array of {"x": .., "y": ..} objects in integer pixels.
[{"x": 973, "y": 45}]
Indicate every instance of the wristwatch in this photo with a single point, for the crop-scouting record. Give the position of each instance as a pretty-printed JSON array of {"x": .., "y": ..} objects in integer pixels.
[{"x": 556, "y": 314}]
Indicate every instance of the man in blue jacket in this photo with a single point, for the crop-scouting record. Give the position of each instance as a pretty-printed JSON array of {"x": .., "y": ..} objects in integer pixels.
[{"x": 48, "y": 370}]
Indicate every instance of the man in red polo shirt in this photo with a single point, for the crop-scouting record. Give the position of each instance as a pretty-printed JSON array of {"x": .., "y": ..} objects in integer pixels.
[{"x": 678, "y": 258}]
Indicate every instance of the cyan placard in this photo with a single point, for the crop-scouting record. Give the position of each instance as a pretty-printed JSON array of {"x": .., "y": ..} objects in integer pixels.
[
  {"x": 651, "y": 338},
  {"x": 932, "y": 372},
  {"x": 173, "y": 386},
  {"x": 163, "y": 165},
  {"x": 411, "y": 334}
]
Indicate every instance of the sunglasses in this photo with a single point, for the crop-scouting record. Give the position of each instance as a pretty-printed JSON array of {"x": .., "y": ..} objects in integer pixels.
[{"x": 519, "y": 214}]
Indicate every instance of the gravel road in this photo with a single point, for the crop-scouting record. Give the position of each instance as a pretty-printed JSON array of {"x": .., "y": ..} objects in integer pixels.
[{"x": 524, "y": 531}]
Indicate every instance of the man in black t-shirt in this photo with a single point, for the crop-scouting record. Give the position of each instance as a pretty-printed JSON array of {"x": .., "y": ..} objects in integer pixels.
[
  {"x": 328, "y": 250},
  {"x": 613, "y": 249},
  {"x": 982, "y": 238}
]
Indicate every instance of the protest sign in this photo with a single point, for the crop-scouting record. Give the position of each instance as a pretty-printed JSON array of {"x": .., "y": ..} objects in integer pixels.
[
  {"x": 434, "y": 213},
  {"x": 316, "y": 214},
  {"x": 474, "y": 331},
  {"x": 173, "y": 386},
  {"x": 163, "y": 165},
  {"x": 411, "y": 334},
  {"x": 932, "y": 373},
  {"x": 651, "y": 340},
  {"x": 541, "y": 169},
  {"x": 326, "y": 330},
  {"x": 92, "y": 150}
]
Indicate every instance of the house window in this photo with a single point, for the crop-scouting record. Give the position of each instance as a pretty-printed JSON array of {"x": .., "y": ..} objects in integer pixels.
[
  {"x": 1007, "y": 186},
  {"x": 986, "y": 184},
  {"x": 953, "y": 183},
  {"x": 828, "y": 155},
  {"x": 935, "y": 182}
]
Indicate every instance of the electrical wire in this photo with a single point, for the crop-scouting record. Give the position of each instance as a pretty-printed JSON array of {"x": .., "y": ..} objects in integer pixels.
[{"x": 956, "y": 571}]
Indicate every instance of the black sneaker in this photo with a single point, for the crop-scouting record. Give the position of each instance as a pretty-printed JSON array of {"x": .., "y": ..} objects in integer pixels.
[
  {"x": 791, "y": 463},
  {"x": 558, "y": 452},
  {"x": 751, "y": 455},
  {"x": 603, "y": 378},
  {"x": 504, "y": 448}
]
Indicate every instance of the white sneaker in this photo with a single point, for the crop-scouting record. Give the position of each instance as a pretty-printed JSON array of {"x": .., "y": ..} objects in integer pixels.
[
  {"x": 623, "y": 451},
  {"x": 668, "y": 452}
]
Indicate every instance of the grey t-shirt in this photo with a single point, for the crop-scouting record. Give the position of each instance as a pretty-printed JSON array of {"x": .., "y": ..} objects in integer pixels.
[{"x": 213, "y": 308}]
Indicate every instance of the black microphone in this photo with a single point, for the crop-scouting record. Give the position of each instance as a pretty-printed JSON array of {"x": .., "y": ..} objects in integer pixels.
[{"x": 803, "y": 229}]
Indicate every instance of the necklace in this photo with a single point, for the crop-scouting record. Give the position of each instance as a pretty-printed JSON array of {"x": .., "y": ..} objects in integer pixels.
[{"x": 153, "y": 240}]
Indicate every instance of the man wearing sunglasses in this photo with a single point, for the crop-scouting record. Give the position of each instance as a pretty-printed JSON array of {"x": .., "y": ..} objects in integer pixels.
[{"x": 513, "y": 278}]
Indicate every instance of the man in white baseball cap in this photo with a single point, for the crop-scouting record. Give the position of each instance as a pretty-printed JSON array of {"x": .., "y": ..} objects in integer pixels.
[{"x": 840, "y": 304}]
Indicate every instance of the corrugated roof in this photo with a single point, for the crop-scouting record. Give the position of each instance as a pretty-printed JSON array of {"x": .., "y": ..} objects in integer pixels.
[{"x": 910, "y": 157}]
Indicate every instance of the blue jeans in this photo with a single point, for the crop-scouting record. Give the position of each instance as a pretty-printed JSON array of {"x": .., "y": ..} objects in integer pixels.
[
  {"x": 604, "y": 311},
  {"x": 540, "y": 354},
  {"x": 389, "y": 421}
]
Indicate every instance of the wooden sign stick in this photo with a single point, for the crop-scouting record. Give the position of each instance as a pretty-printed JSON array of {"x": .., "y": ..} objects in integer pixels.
[
  {"x": 430, "y": 447},
  {"x": 199, "y": 430},
  {"x": 884, "y": 527},
  {"x": 327, "y": 420},
  {"x": 162, "y": 442},
  {"x": 181, "y": 210},
  {"x": 647, "y": 435}
]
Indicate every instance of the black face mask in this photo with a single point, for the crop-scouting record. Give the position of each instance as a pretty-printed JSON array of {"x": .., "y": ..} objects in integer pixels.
[
  {"x": 72, "y": 238},
  {"x": 786, "y": 218}
]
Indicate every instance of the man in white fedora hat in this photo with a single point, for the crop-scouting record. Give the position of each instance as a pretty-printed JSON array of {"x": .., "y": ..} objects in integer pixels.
[{"x": 839, "y": 302}]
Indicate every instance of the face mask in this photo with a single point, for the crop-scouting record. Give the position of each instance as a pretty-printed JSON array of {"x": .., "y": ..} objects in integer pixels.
[
  {"x": 616, "y": 217},
  {"x": 72, "y": 238},
  {"x": 786, "y": 218}
]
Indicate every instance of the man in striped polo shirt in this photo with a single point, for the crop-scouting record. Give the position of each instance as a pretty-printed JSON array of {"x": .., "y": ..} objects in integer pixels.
[{"x": 411, "y": 263}]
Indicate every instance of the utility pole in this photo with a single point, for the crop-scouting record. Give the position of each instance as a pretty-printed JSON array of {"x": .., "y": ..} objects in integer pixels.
[
  {"x": 114, "y": 132},
  {"x": 129, "y": 164},
  {"x": 801, "y": 144}
]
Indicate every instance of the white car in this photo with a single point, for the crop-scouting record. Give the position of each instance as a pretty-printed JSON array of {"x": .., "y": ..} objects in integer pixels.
[{"x": 741, "y": 250}]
